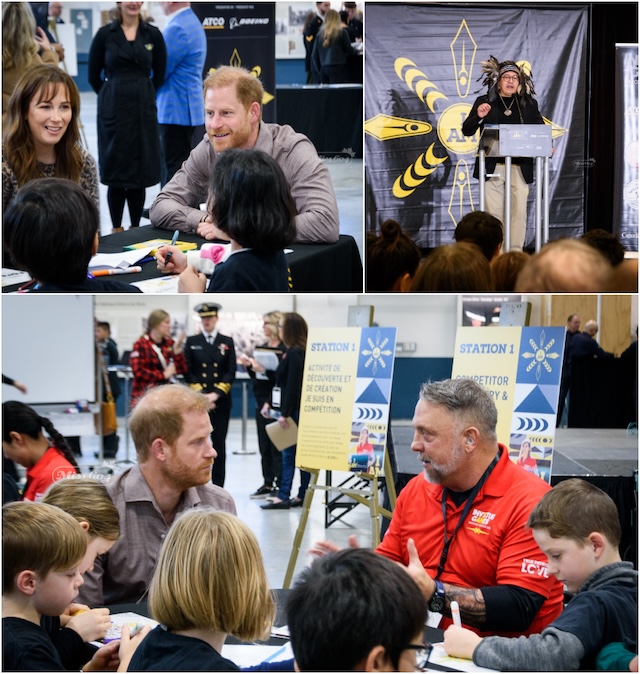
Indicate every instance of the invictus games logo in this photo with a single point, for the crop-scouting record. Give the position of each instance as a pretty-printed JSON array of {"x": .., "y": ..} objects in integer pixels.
[{"x": 448, "y": 125}]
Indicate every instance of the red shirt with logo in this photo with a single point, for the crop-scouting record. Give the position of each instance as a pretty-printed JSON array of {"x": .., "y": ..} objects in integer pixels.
[
  {"x": 51, "y": 466},
  {"x": 493, "y": 547}
]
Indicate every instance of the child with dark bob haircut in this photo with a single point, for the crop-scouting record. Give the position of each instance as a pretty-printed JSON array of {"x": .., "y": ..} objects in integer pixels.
[
  {"x": 51, "y": 231},
  {"x": 577, "y": 526},
  {"x": 251, "y": 204}
]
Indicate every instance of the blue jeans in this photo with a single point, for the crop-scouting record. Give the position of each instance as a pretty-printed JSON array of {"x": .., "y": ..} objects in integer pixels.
[{"x": 289, "y": 469}]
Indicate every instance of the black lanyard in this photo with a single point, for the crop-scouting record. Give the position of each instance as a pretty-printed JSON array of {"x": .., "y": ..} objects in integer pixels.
[{"x": 463, "y": 517}]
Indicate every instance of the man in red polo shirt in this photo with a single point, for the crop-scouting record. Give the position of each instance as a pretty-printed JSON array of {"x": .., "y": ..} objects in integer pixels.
[{"x": 487, "y": 560}]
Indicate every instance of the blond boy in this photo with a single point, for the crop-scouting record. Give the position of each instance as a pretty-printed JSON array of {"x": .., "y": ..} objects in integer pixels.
[{"x": 42, "y": 550}]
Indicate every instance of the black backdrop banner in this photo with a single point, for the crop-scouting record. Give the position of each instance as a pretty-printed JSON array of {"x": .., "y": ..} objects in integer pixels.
[
  {"x": 242, "y": 35},
  {"x": 422, "y": 70},
  {"x": 625, "y": 214}
]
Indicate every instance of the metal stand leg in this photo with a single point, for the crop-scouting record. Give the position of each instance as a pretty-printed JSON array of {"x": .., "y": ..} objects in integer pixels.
[
  {"x": 538, "y": 204},
  {"x": 481, "y": 175},
  {"x": 507, "y": 204},
  {"x": 545, "y": 211},
  {"x": 245, "y": 412}
]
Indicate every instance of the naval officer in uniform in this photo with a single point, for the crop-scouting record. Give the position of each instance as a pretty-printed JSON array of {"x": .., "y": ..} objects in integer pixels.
[{"x": 211, "y": 369}]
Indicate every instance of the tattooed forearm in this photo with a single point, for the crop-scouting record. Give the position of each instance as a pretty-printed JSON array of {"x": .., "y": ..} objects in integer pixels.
[{"x": 473, "y": 610}]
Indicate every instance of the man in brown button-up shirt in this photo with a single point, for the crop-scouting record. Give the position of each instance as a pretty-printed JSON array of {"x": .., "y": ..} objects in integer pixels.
[{"x": 171, "y": 430}]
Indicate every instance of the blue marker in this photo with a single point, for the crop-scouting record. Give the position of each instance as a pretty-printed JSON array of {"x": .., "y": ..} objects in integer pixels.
[{"x": 174, "y": 238}]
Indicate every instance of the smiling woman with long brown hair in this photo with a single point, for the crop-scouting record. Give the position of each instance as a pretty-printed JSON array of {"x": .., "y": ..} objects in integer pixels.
[{"x": 41, "y": 136}]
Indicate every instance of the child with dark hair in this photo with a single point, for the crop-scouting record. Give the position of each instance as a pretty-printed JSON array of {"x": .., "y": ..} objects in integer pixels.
[
  {"x": 484, "y": 230},
  {"x": 251, "y": 204},
  {"x": 392, "y": 259},
  {"x": 577, "y": 526},
  {"x": 356, "y": 610},
  {"x": 46, "y": 458},
  {"x": 51, "y": 231}
]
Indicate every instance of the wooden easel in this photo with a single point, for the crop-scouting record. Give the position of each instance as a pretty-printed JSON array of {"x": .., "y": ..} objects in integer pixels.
[{"x": 367, "y": 496}]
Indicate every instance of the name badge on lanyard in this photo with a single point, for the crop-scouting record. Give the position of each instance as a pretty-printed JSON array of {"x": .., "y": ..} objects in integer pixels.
[{"x": 276, "y": 396}]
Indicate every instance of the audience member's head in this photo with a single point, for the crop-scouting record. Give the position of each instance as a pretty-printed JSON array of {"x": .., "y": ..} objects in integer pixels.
[
  {"x": 51, "y": 230},
  {"x": 19, "y": 47},
  {"x": 591, "y": 328},
  {"x": 156, "y": 318},
  {"x": 293, "y": 330},
  {"x": 24, "y": 136},
  {"x": 270, "y": 322},
  {"x": 331, "y": 28},
  {"x": 459, "y": 267},
  {"x": 250, "y": 200},
  {"x": 607, "y": 243},
  {"x": 163, "y": 414},
  {"x": 355, "y": 610},
  {"x": 392, "y": 259},
  {"x": 505, "y": 270},
  {"x": 210, "y": 576},
  {"x": 39, "y": 540},
  {"x": 566, "y": 265},
  {"x": 89, "y": 502},
  {"x": 102, "y": 330},
  {"x": 484, "y": 230}
]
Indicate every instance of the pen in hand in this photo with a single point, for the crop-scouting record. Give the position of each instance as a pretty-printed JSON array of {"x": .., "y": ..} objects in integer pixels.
[
  {"x": 455, "y": 614},
  {"x": 174, "y": 238}
]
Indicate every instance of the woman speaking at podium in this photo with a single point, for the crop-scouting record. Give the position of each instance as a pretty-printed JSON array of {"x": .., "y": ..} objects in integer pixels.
[{"x": 509, "y": 100}]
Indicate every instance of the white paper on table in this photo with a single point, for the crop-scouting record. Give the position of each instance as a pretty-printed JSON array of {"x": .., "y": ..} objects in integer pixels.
[
  {"x": 249, "y": 655},
  {"x": 119, "y": 620},
  {"x": 127, "y": 258},
  {"x": 12, "y": 276},
  {"x": 162, "y": 284},
  {"x": 439, "y": 657}
]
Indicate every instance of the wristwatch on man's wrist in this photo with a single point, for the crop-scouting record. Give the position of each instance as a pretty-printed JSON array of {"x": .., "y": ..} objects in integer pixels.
[{"x": 437, "y": 601}]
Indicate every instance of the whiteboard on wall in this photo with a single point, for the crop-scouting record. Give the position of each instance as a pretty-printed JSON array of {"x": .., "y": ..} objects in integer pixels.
[{"x": 48, "y": 344}]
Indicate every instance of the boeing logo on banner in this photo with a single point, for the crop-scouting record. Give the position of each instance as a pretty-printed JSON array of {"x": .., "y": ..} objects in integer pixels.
[{"x": 251, "y": 21}]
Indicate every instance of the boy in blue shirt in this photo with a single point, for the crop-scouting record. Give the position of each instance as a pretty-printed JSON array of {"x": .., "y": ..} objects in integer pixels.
[{"x": 577, "y": 526}]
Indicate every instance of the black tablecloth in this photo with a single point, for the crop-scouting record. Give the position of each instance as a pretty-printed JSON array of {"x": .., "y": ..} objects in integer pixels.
[
  {"x": 603, "y": 393},
  {"x": 329, "y": 115},
  {"x": 330, "y": 267}
]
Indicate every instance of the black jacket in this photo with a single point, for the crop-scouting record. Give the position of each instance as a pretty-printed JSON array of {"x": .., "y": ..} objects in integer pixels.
[{"x": 530, "y": 115}]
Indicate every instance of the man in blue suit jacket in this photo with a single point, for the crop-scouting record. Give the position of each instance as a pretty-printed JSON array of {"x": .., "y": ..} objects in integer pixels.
[{"x": 179, "y": 99}]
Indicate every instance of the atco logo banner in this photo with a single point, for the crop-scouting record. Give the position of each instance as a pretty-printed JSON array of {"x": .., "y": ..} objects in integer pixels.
[
  {"x": 242, "y": 35},
  {"x": 421, "y": 82}
]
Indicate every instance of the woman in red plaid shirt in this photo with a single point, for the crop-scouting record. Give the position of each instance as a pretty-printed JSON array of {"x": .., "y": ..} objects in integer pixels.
[{"x": 156, "y": 359}]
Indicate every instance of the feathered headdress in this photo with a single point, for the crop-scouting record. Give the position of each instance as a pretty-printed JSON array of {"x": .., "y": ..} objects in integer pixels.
[{"x": 492, "y": 71}]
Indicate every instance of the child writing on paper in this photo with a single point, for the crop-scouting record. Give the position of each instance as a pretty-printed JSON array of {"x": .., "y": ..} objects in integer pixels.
[
  {"x": 51, "y": 230},
  {"x": 43, "y": 548},
  {"x": 88, "y": 501},
  {"x": 252, "y": 206},
  {"x": 210, "y": 581},
  {"x": 577, "y": 526},
  {"x": 46, "y": 455}
]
